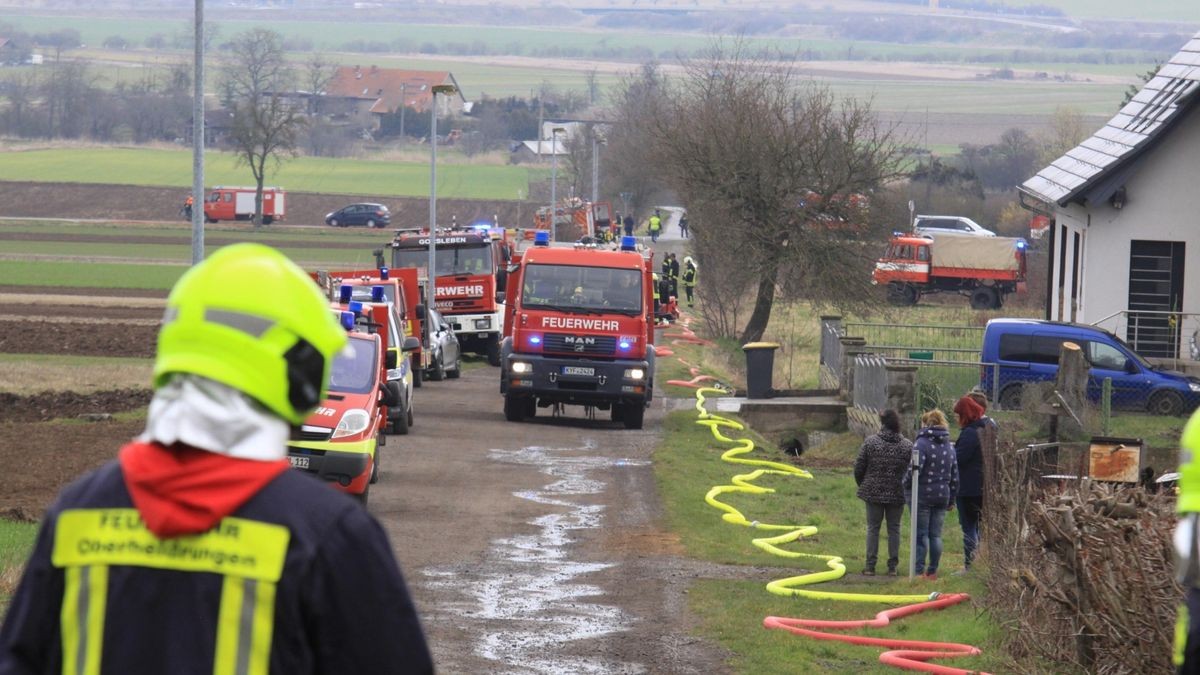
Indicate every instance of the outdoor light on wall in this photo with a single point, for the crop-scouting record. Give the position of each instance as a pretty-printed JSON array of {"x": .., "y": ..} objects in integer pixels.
[{"x": 1118, "y": 198}]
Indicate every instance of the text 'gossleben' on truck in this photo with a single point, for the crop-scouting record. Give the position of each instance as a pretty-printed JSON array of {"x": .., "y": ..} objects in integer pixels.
[
  {"x": 985, "y": 269},
  {"x": 579, "y": 329},
  {"x": 471, "y": 265}
]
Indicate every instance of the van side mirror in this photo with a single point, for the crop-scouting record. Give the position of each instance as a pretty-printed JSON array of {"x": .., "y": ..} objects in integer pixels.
[
  {"x": 411, "y": 344},
  {"x": 500, "y": 296},
  {"x": 501, "y": 278},
  {"x": 390, "y": 359},
  {"x": 1131, "y": 367},
  {"x": 421, "y": 312}
]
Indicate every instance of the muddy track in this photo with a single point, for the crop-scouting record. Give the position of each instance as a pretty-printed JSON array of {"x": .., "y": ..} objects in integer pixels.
[{"x": 85, "y": 339}]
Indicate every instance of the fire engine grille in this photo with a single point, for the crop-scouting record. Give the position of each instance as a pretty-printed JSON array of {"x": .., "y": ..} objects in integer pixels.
[
  {"x": 299, "y": 434},
  {"x": 599, "y": 345},
  {"x": 460, "y": 303}
]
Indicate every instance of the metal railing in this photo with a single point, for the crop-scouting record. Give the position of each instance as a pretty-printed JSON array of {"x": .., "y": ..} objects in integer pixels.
[
  {"x": 870, "y": 382},
  {"x": 941, "y": 383},
  {"x": 831, "y": 356},
  {"x": 1153, "y": 334},
  {"x": 938, "y": 342}
]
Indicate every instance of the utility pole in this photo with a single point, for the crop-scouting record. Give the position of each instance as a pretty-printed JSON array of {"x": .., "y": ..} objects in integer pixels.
[
  {"x": 430, "y": 276},
  {"x": 403, "y": 105},
  {"x": 198, "y": 138}
]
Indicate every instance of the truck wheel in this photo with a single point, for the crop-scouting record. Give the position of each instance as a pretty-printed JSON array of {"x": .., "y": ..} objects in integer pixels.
[
  {"x": 414, "y": 364},
  {"x": 493, "y": 351},
  {"x": 903, "y": 295},
  {"x": 632, "y": 415},
  {"x": 1010, "y": 397},
  {"x": 409, "y": 414},
  {"x": 1166, "y": 403},
  {"x": 267, "y": 220},
  {"x": 984, "y": 298},
  {"x": 514, "y": 408},
  {"x": 375, "y": 469},
  {"x": 617, "y": 412}
]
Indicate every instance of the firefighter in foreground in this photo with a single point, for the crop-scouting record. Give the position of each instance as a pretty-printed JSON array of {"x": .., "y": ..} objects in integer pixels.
[
  {"x": 1187, "y": 545},
  {"x": 198, "y": 550}
]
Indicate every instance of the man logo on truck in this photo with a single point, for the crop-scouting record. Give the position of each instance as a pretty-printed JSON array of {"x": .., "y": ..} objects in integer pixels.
[{"x": 580, "y": 324}]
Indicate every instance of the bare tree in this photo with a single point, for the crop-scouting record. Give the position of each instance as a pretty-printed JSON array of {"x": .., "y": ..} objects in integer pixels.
[
  {"x": 632, "y": 166},
  {"x": 266, "y": 122},
  {"x": 319, "y": 71},
  {"x": 775, "y": 165},
  {"x": 592, "y": 79},
  {"x": 1066, "y": 131}
]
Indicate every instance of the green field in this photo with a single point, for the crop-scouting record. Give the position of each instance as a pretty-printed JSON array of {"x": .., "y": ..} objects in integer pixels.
[
  {"x": 173, "y": 168},
  {"x": 182, "y": 253}
]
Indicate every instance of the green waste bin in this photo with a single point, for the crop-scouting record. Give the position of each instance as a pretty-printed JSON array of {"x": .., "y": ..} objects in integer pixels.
[
  {"x": 760, "y": 365},
  {"x": 921, "y": 356}
]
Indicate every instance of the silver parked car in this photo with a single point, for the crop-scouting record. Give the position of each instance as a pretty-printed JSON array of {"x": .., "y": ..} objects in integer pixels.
[
  {"x": 950, "y": 225},
  {"x": 444, "y": 353}
]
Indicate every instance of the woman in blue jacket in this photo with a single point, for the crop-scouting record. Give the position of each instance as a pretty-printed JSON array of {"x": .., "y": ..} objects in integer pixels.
[{"x": 937, "y": 485}]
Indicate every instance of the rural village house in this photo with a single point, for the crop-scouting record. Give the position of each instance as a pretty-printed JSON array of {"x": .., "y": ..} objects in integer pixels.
[
  {"x": 365, "y": 95},
  {"x": 1125, "y": 230}
]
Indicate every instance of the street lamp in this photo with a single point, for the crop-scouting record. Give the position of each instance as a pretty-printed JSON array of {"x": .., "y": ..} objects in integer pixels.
[
  {"x": 554, "y": 180},
  {"x": 430, "y": 277}
]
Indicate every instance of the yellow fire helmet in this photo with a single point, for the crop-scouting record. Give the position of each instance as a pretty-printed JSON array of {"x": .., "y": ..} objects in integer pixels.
[
  {"x": 250, "y": 318},
  {"x": 1189, "y": 466}
]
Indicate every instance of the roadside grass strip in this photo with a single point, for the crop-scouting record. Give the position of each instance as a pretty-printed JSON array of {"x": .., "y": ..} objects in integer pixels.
[{"x": 905, "y": 654}]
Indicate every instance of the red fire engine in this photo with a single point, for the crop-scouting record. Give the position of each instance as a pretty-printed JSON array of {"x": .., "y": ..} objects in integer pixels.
[
  {"x": 985, "y": 269},
  {"x": 575, "y": 219},
  {"x": 237, "y": 203},
  {"x": 471, "y": 267},
  {"x": 579, "y": 329}
]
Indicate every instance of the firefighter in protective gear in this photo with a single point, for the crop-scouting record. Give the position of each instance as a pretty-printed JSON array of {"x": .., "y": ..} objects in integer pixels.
[
  {"x": 199, "y": 550},
  {"x": 1187, "y": 545},
  {"x": 674, "y": 276},
  {"x": 689, "y": 279}
]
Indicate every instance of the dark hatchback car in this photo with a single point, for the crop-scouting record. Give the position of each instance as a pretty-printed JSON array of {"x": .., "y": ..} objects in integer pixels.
[{"x": 370, "y": 215}]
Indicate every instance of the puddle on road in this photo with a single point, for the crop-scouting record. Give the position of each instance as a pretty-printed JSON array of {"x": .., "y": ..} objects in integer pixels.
[{"x": 526, "y": 602}]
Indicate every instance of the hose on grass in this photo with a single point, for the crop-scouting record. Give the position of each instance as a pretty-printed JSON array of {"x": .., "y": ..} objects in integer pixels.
[{"x": 905, "y": 654}]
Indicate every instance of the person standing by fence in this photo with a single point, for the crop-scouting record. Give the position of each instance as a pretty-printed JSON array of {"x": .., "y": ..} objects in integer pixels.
[
  {"x": 937, "y": 485},
  {"x": 878, "y": 472},
  {"x": 969, "y": 451}
]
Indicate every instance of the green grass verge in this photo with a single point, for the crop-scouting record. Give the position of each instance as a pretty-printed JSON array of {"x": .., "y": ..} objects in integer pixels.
[
  {"x": 92, "y": 275},
  {"x": 16, "y": 541},
  {"x": 174, "y": 233},
  {"x": 173, "y": 168},
  {"x": 182, "y": 253},
  {"x": 687, "y": 465}
]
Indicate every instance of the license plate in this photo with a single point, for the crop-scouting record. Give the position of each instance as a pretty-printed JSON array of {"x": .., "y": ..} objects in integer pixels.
[
  {"x": 298, "y": 462},
  {"x": 578, "y": 370}
]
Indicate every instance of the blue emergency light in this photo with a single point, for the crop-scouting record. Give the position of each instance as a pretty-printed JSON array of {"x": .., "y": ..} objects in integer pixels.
[
  {"x": 542, "y": 238},
  {"x": 384, "y": 272},
  {"x": 347, "y": 320},
  {"x": 535, "y": 339},
  {"x": 625, "y": 344},
  {"x": 345, "y": 292},
  {"x": 377, "y": 294},
  {"x": 355, "y": 307},
  {"x": 628, "y": 243},
  {"x": 1021, "y": 244}
]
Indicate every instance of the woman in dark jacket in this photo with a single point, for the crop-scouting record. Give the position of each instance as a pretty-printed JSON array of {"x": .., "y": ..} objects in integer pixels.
[
  {"x": 937, "y": 485},
  {"x": 878, "y": 471},
  {"x": 970, "y": 472}
]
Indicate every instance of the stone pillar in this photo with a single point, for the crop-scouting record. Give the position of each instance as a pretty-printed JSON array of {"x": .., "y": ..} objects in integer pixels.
[
  {"x": 902, "y": 396},
  {"x": 846, "y": 377}
]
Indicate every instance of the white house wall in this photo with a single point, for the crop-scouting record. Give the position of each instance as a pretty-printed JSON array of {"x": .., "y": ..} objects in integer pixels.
[{"x": 1162, "y": 203}]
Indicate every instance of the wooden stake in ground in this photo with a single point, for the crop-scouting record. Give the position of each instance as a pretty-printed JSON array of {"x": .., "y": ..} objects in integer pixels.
[{"x": 1071, "y": 386}]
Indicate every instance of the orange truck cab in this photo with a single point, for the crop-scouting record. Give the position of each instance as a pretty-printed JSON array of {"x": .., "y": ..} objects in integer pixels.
[
  {"x": 339, "y": 441},
  {"x": 237, "y": 203},
  {"x": 579, "y": 330},
  {"x": 471, "y": 268},
  {"x": 575, "y": 219},
  {"x": 984, "y": 269}
]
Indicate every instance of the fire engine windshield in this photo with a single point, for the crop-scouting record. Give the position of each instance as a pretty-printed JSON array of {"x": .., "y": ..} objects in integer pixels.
[
  {"x": 354, "y": 368},
  {"x": 450, "y": 260},
  {"x": 583, "y": 289}
]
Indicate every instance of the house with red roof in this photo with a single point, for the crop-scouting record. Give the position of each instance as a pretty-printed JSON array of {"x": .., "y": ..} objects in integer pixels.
[{"x": 365, "y": 94}]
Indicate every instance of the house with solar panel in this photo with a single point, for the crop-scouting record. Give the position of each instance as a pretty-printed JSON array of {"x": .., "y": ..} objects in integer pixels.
[{"x": 1124, "y": 209}]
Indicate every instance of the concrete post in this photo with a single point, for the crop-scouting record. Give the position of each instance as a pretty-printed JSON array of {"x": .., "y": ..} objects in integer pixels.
[
  {"x": 851, "y": 353},
  {"x": 902, "y": 395},
  {"x": 847, "y": 360},
  {"x": 832, "y": 320}
]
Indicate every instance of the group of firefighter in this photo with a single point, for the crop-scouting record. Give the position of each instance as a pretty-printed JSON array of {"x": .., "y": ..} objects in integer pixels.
[{"x": 666, "y": 286}]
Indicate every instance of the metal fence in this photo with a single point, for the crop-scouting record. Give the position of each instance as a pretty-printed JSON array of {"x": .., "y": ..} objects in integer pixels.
[
  {"x": 1165, "y": 335},
  {"x": 941, "y": 383},
  {"x": 937, "y": 342},
  {"x": 831, "y": 355},
  {"x": 870, "y": 382}
]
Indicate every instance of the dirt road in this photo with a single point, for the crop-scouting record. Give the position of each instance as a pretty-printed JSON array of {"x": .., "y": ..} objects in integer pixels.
[{"x": 536, "y": 547}]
